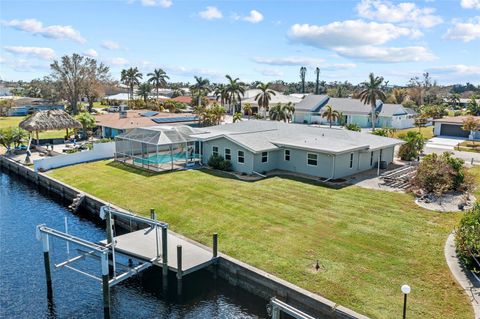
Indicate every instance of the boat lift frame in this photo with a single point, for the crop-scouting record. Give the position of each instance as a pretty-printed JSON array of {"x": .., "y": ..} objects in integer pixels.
[{"x": 275, "y": 307}]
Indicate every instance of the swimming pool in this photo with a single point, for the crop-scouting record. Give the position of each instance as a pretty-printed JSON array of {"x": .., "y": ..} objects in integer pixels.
[{"x": 164, "y": 158}]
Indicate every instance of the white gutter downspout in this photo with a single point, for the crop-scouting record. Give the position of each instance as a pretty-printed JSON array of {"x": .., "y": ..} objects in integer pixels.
[
  {"x": 333, "y": 169},
  {"x": 378, "y": 164}
]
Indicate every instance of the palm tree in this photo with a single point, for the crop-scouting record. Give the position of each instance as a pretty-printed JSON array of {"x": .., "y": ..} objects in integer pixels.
[
  {"x": 218, "y": 111},
  {"x": 201, "y": 88},
  {"x": 247, "y": 108},
  {"x": 473, "y": 107},
  {"x": 144, "y": 90},
  {"x": 399, "y": 95},
  {"x": 330, "y": 114},
  {"x": 290, "y": 110},
  {"x": 278, "y": 113},
  {"x": 263, "y": 98},
  {"x": 221, "y": 93},
  {"x": 413, "y": 147},
  {"x": 317, "y": 83},
  {"x": 303, "y": 72},
  {"x": 454, "y": 99},
  {"x": 371, "y": 93},
  {"x": 235, "y": 91},
  {"x": 158, "y": 78},
  {"x": 131, "y": 77},
  {"x": 237, "y": 116}
]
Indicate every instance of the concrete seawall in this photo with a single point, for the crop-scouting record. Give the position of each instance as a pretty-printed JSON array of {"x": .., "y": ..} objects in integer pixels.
[{"x": 234, "y": 271}]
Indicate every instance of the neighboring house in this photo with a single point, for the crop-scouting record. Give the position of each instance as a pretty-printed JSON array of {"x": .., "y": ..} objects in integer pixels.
[
  {"x": 262, "y": 146},
  {"x": 249, "y": 97},
  {"x": 452, "y": 126},
  {"x": 24, "y": 106},
  {"x": 112, "y": 124},
  {"x": 354, "y": 111}
]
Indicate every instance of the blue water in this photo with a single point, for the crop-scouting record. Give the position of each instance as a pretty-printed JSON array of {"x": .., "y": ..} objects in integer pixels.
[
  {"x": 22, "y": 280},
  {"x": 164, "y": 158}
]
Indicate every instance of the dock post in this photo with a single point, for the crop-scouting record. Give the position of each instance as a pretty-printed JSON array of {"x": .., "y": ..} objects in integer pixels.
[
  {"x": 152, "y": 214},
  {"x": 215, "y": 254},
  {"x": 109, "y": 223},
  {"x": 46, "y": 260},
  {"x": 179, "y": 270},
  {"x": 164, "y": 257},
  {"x": 106, "y": 286}
]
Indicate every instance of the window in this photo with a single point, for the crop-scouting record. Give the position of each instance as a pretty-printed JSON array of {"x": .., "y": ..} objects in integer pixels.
[
  {"x": 264, "y": 157},
  {"x": 371, "y": 158},
  {"x": 214, "y": 150},
  {"x": 241, "y": 157},
  {"x": 351, "y": 160},
  {"x": 286, "y": 155},
  {"x": 228, "y": 154},
  {"x": 312, "y": 159}
]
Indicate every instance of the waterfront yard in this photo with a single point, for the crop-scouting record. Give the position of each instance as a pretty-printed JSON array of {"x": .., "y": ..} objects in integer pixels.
[{"x": 368, "y": 242}]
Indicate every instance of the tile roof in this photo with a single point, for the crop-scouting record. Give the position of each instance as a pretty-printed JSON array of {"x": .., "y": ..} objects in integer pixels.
[{"x": 135, "y": 119}]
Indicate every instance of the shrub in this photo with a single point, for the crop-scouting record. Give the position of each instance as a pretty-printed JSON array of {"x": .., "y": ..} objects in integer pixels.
[
  {"x": 467, "y": 239},
  {"x": 353, "y": 127},
  {"x": 218, "y": 162},
  {"x": 439, "y": 174},
  {"x": 385, "y": 132},
  {"x": 413, "y": 146}
]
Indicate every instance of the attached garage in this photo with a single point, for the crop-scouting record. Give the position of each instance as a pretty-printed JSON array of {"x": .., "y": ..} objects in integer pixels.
[{"x": 453, "y": 130}]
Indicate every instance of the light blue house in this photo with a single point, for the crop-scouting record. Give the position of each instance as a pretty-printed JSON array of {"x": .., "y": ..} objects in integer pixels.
[
  {"x": 258, "y": 146},
  {"x": 27, "y": 106},
  {"x": 310, "y": 109}
]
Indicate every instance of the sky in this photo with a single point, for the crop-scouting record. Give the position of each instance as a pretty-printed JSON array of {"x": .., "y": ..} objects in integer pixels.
[{"x": 254, "y": 40}]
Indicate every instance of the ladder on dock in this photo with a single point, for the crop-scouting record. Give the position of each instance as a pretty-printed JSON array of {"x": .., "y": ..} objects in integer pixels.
[{"x": 77, "y": 201}]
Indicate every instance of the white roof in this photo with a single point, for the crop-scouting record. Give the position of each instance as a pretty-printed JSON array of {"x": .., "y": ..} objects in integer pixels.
[
  {"x": 249, "y": 97},
  {"x": 260, "y": 135}
]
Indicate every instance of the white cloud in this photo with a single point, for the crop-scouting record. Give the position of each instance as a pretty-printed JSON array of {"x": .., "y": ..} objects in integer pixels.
[
  {"x": 190, "y": 72},
  {"x": 403, "y": 12},
  {"x": 118, "y": 61},
  {"x": 24, "y": 65},
  {"x": 387, "y": 54},
  {"x": 110, "y": 45},
  {"x": 470, "y": 4},
  {"x": 270, "y": 72},
  {"x": 210, "y": 13},
  {"x": 348, "y": 33},
  {"x": 303, "y": 61},
  {"x": 457, "y": 69},
  {"x": 157, "y": 3},
  {"x": 465, "y": 31},
  {"x": 90, "y": 53},
  {"x": 254, "y": 17},
  {"x": 42, "y": 53},
  {"x": 53, "y": 31}
]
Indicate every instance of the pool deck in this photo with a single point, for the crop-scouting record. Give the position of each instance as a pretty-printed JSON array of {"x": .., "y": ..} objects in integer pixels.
[{"x": 141, "y": 244}]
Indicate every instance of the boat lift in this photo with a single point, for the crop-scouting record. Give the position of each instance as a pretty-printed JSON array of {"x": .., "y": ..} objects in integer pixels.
[{"x": 276, "y": 307}]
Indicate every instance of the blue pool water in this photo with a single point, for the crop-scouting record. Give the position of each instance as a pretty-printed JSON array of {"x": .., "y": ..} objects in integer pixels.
[
  {"x": 164, "y": 158},
  {"x": 23, "y": 291}
]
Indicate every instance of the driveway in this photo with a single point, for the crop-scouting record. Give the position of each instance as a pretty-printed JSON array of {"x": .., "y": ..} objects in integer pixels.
[{"x": 444, "y": 142}]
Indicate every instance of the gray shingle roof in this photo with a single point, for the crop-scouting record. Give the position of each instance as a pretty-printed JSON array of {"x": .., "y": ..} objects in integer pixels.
[
  {"x": 311, "y": 103},
  {"x": 258, "y": 136}
]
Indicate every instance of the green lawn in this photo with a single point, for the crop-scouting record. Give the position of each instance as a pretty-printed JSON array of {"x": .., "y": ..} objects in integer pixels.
[
  {"x": 368, "y": 242},
  {"x": 11, "y": 121},
  {"x": 469, "y": 146},
  {"x": 427, "y": 132}
]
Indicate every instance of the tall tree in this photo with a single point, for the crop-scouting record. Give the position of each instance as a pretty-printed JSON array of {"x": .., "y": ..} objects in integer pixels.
[
  {"x": 158, "y": 78},
  {"x": 473, "y": 107},
  {"x": 71, "y": 73},
  {"x": 303, "y": 72},
  {"x": 200, "y": 89},
  {"x": 263, "y": 98},
  {"x": 371, "y": 93},
  {"x": 131, "y": 77},
  {"x": 317, "y": 82},
  {"x": 144, "y": 90},
  {"x": 235, "y": 91},
  {"x": 399, "y": 95},
  {"x": 221, "y": 93},
  {"x": 331, "y": 115},
  {"x": 280, "y": 112},
  {"x": 98, "y": 76}
]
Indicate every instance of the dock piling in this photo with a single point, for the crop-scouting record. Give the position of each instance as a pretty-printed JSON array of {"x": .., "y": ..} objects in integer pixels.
[
  {"x": 152, "y": 214},
  {"x": 215, "y": 245},
  {"x": 164, "y": 257},
  {"x": 46, "y": 260},
  {"x": 179, "y": 270},
  {"x": 106, "y": 286}
]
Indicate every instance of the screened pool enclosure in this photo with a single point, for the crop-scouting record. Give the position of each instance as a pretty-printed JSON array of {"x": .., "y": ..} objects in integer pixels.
[{"x": 158, "y": 148}]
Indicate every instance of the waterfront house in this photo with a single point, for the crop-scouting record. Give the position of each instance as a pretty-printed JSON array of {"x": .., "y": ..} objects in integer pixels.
[{"x": 354, "y": 111}]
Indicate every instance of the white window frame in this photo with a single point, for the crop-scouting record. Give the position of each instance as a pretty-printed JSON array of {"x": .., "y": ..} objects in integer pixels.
[
  {"x": 213, "y": 150},
  {"x": 351, "y": 160},
  {"x": 285, "y": 155},
  {"x": 261, "y": 159},
  {"x": 316, "y": 159},
  {"x": 238, "y": 157},
  {"x": 229, "y": 154}
]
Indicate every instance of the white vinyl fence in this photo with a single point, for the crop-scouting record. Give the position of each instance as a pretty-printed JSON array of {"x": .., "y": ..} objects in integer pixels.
[{"x": 99, "y": 151}]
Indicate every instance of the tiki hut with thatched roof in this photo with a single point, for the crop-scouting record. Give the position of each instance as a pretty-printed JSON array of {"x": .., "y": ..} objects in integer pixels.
[{"x": 48, "y": 121}]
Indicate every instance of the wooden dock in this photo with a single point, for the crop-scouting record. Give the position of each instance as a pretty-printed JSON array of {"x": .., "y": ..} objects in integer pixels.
[{"x": 142, "y": 244}]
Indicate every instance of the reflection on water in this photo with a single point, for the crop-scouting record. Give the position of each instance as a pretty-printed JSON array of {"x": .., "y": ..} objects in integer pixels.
[{"x": 22, "y": 281}]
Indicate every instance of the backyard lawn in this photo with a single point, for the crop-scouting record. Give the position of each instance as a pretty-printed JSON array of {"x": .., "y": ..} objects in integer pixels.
[
  {"x": 368, "y": 242},
  {"x": 427, "y": 132},
  {"x": 13, "y": 121}
]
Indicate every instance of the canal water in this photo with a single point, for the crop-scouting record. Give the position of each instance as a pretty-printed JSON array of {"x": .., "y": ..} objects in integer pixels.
[{"x": 23, "y": 292}]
